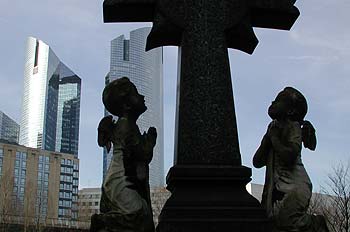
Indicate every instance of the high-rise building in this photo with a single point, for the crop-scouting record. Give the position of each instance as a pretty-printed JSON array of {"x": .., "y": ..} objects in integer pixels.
[
  {"x": 9, "y": 129},
  {"x": 38, "y": 185},
  {"x": 145, "y": 70},
  {"x": 51, "y": 101}
]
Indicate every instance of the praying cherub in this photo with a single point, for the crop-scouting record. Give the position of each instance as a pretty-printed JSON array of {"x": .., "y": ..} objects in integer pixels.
[
  {"x": 125, "y": 202},
  {"x": 288, "y": 188}
]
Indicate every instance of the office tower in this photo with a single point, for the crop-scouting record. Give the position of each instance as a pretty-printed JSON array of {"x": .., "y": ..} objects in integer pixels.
[
  {"x": 145, "y": 70},
  {"x": 9, "y": 129},
  {"x": 38, "y": 185},
  {"x": 51, "y": 101}
]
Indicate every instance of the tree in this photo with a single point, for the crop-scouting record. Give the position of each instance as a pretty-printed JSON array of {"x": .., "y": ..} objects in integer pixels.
[
  {"x": 7, "y": 210},
  {"x": 316, "y": 204},
  {"x": 336, "y": 207}
]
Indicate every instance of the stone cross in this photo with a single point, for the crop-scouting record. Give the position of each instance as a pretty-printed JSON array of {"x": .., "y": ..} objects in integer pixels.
[
  {"x": 206, "y": 124},
  {"x": 208, "y": 182}
]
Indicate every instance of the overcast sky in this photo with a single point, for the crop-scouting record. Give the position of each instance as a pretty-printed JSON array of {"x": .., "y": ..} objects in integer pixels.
[{"x": 313, "y": 57}]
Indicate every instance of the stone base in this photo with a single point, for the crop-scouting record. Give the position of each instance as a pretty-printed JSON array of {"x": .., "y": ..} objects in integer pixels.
[{"x": 211, "y": 199}]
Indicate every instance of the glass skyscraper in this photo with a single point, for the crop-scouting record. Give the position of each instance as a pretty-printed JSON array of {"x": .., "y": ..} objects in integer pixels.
[
  {"x": 51, "y": 101},
  {"x": 9, "y": 129},
  {"x": 145, "y": 70}
]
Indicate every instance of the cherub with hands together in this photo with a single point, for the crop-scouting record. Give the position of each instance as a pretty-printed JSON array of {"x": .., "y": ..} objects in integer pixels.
[
  {"x": 125, "y": 202},
  {"x": 288, "y": 188}
]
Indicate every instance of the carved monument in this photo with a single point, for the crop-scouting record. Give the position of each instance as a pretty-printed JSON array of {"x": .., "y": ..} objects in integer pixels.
[
  {"x": 125, "y": 202},
  {"x": 207, "y": 180},
  {"x": 288, "y": 189}
]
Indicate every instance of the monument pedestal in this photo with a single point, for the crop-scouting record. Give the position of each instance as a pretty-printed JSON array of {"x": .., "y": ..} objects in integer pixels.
[{"x": 211, "y": 198}]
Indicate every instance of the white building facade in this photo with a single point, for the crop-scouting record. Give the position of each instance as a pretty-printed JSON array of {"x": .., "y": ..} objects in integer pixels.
[{"x": 46, "y": 80}]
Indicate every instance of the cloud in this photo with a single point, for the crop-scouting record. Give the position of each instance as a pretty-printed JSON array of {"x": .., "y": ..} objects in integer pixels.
[{"x": 340, "y": 43}]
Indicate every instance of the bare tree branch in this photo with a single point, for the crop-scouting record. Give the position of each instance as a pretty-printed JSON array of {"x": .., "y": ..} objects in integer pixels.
[{"x": 336, "y": 207}]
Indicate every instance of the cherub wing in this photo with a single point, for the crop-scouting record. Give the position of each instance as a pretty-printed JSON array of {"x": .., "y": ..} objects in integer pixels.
[{"x": 105, "y": 128}]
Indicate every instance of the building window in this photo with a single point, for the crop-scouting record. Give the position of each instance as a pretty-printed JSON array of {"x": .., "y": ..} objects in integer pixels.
[{"x": 126, "y": 52}]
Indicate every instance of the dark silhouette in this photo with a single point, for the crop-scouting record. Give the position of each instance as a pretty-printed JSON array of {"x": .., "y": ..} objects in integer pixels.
[
  {"x": 125, "y": 201},
  {"x": 288, "y": 188}
]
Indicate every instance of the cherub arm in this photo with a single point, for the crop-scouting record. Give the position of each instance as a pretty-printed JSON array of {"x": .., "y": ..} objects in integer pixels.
[
  {"x": 260, "y": 156},
  {"x": 148, "y": 141},
  {"x": 141, "y": 145},
  {"x": 289, "y": 147}
]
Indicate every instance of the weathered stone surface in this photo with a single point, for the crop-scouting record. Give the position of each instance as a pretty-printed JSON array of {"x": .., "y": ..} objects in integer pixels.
[
  {"x": 206, "y": 122},
  {"x": 207, "y": 181},
  {"x": 288, "y": 188}
]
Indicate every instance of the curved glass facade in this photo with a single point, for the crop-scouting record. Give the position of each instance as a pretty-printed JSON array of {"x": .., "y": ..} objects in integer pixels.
[
  {"x": 46, "y": 96},
  {"x": 145, "y": 70},
  {"x": 9, "y": 129}
]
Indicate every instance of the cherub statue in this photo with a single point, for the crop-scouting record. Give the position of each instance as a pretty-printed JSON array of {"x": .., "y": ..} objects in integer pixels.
[
  {"x": 125, "y": 202},
  {"x": 288, "y": 188}
]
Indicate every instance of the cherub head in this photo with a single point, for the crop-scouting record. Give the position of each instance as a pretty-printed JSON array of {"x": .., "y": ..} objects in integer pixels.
[
  {"x": 121, "y": 98},
  {"x": 289, "y": 104}
]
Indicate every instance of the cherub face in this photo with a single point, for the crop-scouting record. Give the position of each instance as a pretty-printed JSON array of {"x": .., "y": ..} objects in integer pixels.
[
  {"x": 280, "y": 106},
  {"x": 137, "y": 101}
]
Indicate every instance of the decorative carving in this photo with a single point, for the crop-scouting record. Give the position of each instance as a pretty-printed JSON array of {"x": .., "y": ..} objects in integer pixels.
[
  {"x": 125, "y": 201},
  {"x": 288, "y": 188}
]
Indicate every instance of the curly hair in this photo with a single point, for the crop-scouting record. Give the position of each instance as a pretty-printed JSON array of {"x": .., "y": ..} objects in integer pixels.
[
  {"x": 115, "y": 94},
  {"x": 298, "y": 102}
]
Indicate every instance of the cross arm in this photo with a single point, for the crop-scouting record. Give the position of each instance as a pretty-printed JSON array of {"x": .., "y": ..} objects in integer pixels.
[
  {"x": 128, "y": 10},
  {"x": 274, "y": 14}
]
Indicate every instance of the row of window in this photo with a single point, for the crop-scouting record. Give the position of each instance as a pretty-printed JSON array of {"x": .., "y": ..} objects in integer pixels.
[
  {"x": 43, "y": 176},
  {"x": 66, "y": 186},
  {"x": 70, "y": 162},
  {"x": 89, "y": 203},
  {"x": 21, "y": 155},
  {"x": 66, "y": 170},
  {"x": 16, "y": 188},
  {"x": 76, "y": 174},
  {"x": 19, "y": 181},
  {"x": 65, "y": 195},
  {"x": 66, "y": 178},
  {"x": 90, "y": 196},
  {"x": 41, "y": 201},
  {"x": 64, "y": 212},
  {"x": 43, "y": 183},
  {"x": 67, "y": 213},
  {"x": 43, "y": 193},
  {"x": 65, "y": 203},
  {"x": 18, "y": 163},
  {"x": 44, "y": 159},
  {"x": 45, "y": 167},
  {"x": 41, "y": 211},
  {"x": 19, "y": 172}
]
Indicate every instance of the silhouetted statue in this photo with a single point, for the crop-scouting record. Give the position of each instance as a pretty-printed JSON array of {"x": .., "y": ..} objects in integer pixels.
[
  {"x": 125, "y": 202},
  {"x": 288, "y": 188}
]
